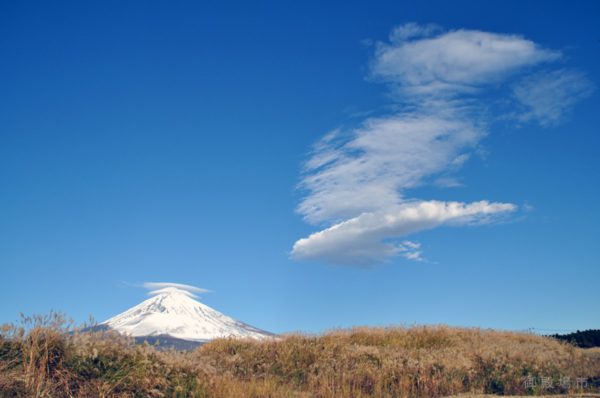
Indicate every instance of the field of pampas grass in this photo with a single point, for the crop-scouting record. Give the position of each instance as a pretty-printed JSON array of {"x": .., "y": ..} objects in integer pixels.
[{"x": 48, "y": 359}]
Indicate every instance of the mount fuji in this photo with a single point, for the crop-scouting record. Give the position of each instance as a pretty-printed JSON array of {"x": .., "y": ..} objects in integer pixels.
[{"x": 173, "y": 318}]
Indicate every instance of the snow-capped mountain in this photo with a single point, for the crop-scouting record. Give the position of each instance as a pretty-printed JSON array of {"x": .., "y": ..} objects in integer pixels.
[{"x": 172, "y": 313}]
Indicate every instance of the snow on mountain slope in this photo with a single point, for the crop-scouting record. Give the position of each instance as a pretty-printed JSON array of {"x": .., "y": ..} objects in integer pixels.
[{"x": 173, "y": 312}]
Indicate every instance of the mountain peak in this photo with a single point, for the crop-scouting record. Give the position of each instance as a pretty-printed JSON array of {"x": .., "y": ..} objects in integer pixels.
[{"x": 174, "y": 312}]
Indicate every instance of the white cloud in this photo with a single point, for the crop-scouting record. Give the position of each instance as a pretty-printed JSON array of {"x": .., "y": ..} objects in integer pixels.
[
  {"x": 410, "y": 250},
  {"x": 547, "y": 97},
  {"x": 355, "y": 182},
  {"x": 448, "y": 182},
  {"x": 361, "y": 240},
  {"x": 384, "y": 156},
  {"x": 453, "y": 62},
  {"x": 159, "y": 287},
  {"x": 412, "y": 30}
]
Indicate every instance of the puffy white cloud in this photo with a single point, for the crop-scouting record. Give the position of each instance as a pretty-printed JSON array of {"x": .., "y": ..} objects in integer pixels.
[
  {"x": 453, "y": 62},
  {"x": 547, "y": 97},
  {"x": 362, "y": 240}
]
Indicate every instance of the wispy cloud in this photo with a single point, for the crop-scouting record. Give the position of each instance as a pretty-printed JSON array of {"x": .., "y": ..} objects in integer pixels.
[
  {"x": 547, "y": 97},
  {"x": 448, "y": 182},
  {"x": 411, "y": 30},
  {"x": 382, "y": 157},
  {"x": 160, "y": 287},
  {"x": 355, "y": 180},
  {"x": 410, "y": 250}
]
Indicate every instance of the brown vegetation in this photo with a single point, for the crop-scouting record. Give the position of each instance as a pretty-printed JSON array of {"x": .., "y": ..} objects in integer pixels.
[{"x": 44, "y": 360}]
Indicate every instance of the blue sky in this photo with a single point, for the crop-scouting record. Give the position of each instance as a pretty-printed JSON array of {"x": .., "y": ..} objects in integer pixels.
[{"x": 314, "y": 166}]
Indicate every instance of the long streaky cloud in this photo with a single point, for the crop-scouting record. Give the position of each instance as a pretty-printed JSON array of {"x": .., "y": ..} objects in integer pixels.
[
  {"x": 160, "y": 287},
  {"x": 355, "y": 181},
  {"x": 361, "y": 240}
]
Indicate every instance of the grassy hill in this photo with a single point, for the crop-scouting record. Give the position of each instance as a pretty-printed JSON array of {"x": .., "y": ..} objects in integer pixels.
[{"x": 380, "y": 362}]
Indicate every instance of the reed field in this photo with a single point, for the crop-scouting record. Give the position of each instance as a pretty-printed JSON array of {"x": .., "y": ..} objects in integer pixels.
[{"x": 48, "y": 359}]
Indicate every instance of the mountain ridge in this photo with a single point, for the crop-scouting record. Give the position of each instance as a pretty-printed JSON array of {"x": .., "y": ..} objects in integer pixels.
[{"x": 172, "y": 316}]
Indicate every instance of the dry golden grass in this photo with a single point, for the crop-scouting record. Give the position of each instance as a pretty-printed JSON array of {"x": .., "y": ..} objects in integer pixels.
[
  {"x": 364, "y": 362},
  {"x": 582, "y": 395}
]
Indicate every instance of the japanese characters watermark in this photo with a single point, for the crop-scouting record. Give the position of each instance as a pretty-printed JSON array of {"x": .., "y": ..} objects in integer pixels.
[{"x": 547, "y": 382}]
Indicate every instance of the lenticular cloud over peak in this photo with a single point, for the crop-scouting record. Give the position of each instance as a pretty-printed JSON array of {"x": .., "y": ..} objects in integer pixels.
[
  {"x": 355, "y": 182},
  {"x": 164, "y": 287}
]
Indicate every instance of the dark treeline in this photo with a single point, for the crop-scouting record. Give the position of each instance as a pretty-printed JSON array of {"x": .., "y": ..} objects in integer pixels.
[{"x": 584, "y": 339}]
